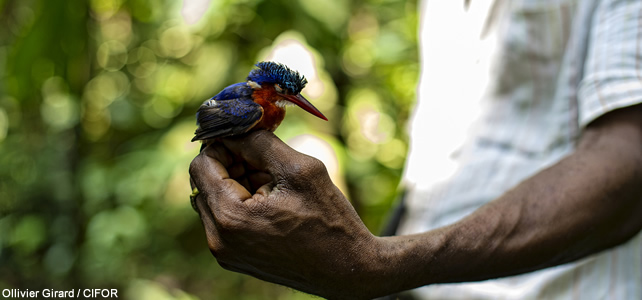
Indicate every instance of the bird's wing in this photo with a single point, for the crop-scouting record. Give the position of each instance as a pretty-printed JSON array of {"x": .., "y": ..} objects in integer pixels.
[{"x": 225, "y": 117}]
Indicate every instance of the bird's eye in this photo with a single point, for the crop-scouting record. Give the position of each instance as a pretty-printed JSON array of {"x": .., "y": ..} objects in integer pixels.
[{"x": 278, "y": 88}]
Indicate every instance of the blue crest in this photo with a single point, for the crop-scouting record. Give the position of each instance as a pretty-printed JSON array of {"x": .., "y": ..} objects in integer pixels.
[{"x": 271, "y": 72}]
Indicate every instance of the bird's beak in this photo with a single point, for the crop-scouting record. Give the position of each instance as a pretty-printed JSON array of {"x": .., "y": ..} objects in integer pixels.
[{"x": 305, "y": 104}]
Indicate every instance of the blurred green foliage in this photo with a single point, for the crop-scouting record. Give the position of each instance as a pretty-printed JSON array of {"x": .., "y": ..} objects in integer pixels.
[{"x": 97, "y": 102}]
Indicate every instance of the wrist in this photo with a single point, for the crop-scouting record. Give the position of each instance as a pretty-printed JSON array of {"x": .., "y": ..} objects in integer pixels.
[
  {"x": 372, "y": 271},
  {"x": 409, "y": 261},
  {"x": 387, "y": 266}
]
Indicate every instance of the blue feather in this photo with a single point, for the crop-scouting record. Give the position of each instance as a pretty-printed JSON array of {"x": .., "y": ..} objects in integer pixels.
[
  {"x": 237, "y": 90},
  {"x": 276, "y": 73}
]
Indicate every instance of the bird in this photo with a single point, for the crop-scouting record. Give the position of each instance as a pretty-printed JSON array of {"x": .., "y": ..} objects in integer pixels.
[{"x": 258, "y": 103}]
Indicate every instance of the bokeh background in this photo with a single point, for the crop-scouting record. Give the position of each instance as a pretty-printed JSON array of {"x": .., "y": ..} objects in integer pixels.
[{"x": 97, "y": 103}]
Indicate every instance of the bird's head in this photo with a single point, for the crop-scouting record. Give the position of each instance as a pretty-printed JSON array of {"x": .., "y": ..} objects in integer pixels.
[{"x": 286, "y": 83}]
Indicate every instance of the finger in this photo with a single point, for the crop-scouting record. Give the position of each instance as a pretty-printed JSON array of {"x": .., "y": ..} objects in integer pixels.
[
  {"x": 258, "y": 179},
  {"x": 220, "y": 153},
  {"x": 207, "y": 218},
  {"x": 246, "y": 184},
  {"x": 267, "y": 153},
  {"x": 212, "y": 179},
  {"x": 263, "y": 151},
  {"x": 236, "y": 170}
]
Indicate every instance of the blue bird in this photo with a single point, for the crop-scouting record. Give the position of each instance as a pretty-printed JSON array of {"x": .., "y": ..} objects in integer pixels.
[{"x": 258, "y": 103}]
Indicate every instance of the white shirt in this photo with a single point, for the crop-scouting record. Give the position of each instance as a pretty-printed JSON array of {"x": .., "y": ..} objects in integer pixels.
[{"x": 505, "y": 91}]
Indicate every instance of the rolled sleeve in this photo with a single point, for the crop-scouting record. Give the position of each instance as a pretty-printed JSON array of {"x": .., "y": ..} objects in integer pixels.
[{"x": 613, "y": 69}]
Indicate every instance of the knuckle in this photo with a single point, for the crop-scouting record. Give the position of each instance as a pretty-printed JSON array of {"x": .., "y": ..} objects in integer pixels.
[
  {"x": 219, "y": 249},
  {"x": 309, "y": 167},
  {"x": 216, "y": 247},
  {"x": 194, "y": 165},
  {"x": 301, "y": 172}
]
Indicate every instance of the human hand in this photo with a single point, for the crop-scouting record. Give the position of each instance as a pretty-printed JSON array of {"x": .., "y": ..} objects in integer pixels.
[{"x": 273, "y": 213}]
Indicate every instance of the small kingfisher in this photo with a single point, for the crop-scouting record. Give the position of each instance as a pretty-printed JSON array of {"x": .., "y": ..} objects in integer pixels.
[{"x": 258, "y": 103}]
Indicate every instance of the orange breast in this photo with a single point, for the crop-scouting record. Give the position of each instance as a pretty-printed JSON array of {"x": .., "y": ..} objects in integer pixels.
[{"x": 272, "y": 114}]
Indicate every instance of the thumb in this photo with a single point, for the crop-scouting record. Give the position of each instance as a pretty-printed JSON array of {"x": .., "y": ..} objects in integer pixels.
[{"x": 266, "y": 152}]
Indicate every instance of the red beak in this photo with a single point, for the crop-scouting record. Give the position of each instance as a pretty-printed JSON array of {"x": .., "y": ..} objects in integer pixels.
[{"x": 305, "y": 104}]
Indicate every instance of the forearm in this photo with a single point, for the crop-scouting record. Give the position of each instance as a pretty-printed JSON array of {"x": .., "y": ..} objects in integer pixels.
[
  {"x": 297, "y": 229},
  {"x": 557, "y": 216},
  {"x": 587, "y": 202}
]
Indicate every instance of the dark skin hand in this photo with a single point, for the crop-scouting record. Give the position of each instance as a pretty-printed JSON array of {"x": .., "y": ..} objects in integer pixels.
[{"x": 273, "y": 213}]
